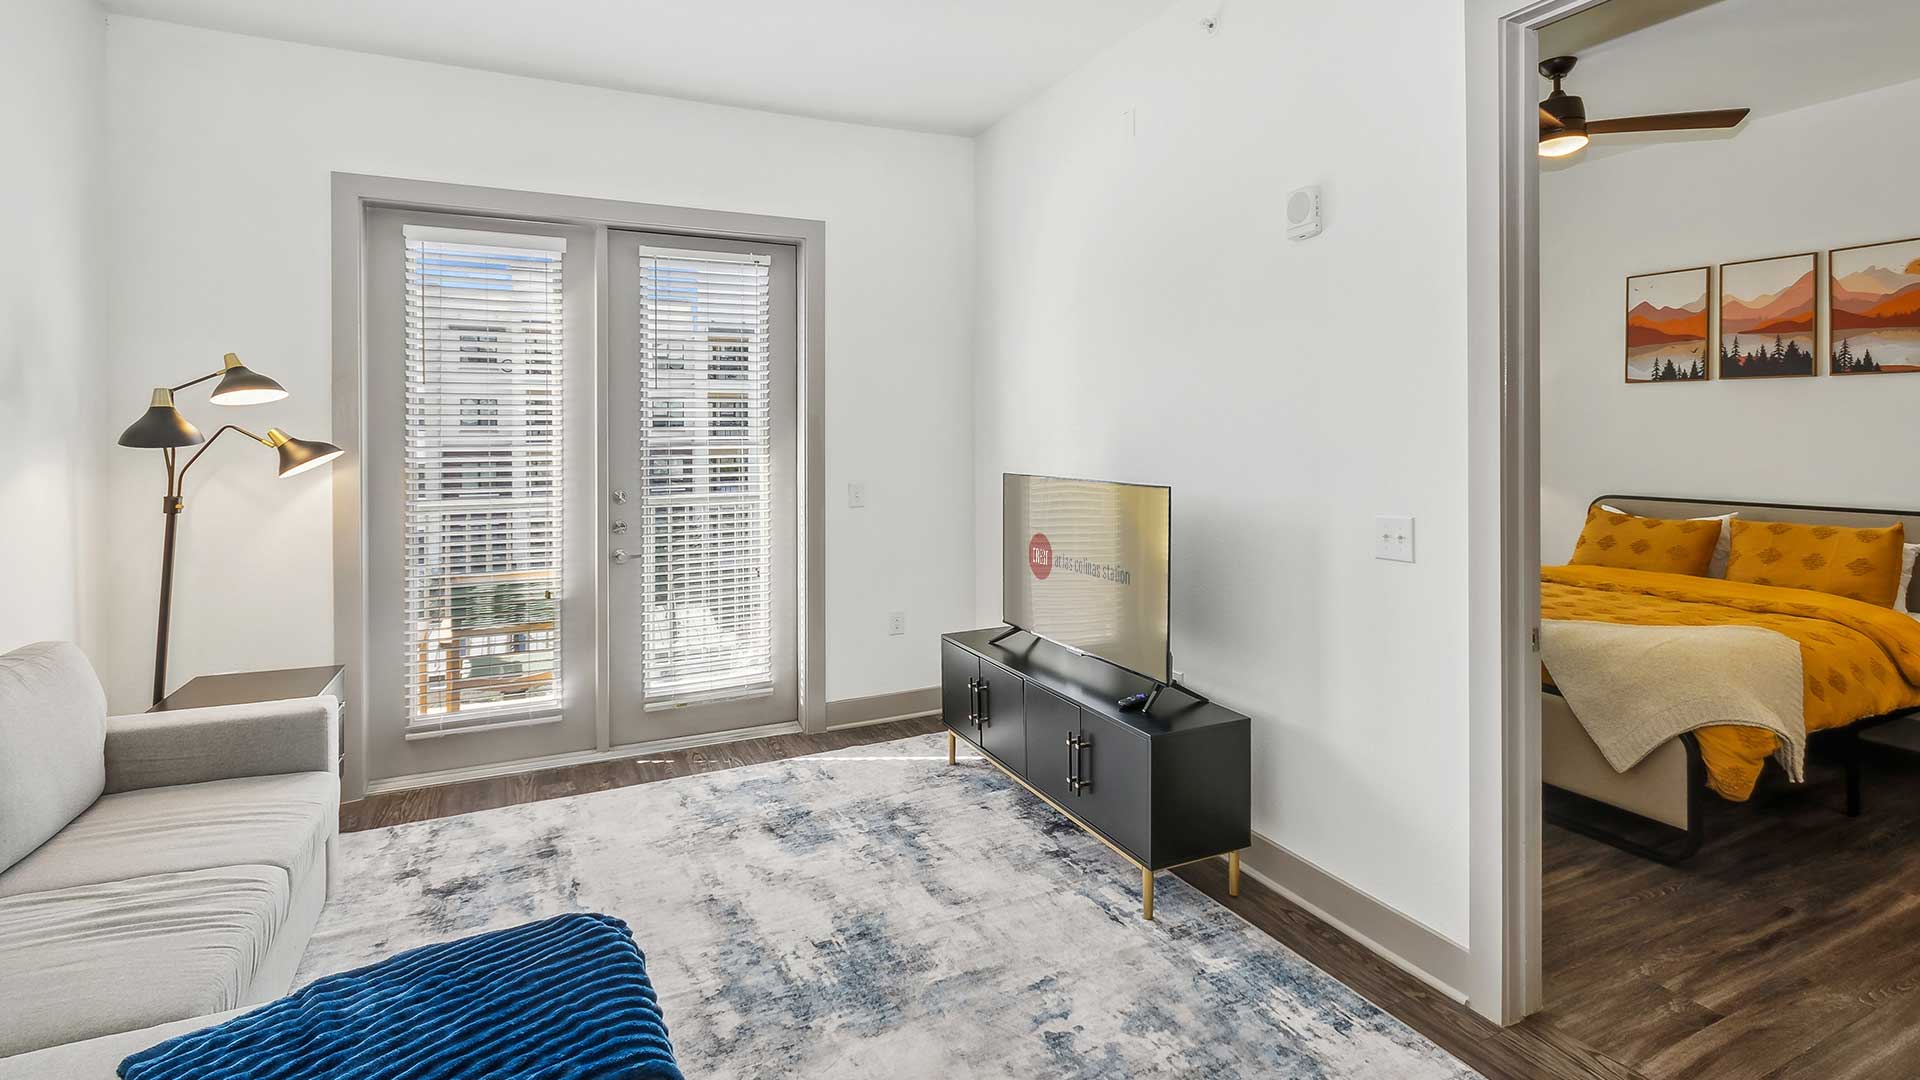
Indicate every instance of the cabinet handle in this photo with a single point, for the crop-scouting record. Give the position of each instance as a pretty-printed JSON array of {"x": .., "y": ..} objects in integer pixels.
[
  {"x": 1080, "y": 784},
  {"x": 985, "y": 693},
  {"x": 973, "y": 703},
  {"x": 1073, "y": 762}
]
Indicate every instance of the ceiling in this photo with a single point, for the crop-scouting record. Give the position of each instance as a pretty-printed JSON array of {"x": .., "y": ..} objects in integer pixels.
[
  {"x": 1654, "y": 56},
  {"x": 931, "y": 65}
]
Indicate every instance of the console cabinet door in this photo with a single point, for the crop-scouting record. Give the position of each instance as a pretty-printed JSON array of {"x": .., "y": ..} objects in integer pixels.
[
  {"x": 1115, "y": 780},
  {"x": 1003, "y": 708},
  {"x": 959, "y": 670},
  {"x": 1051, "y": 721}
]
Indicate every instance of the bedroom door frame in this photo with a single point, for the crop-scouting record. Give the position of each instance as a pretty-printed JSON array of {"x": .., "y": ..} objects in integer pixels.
[{"x": 1504, "y": 480}]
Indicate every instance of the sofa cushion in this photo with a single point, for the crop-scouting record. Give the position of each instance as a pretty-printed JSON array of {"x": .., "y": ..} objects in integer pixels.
[
  {"x": 53, "y": 724},
  {"x": 97, "y": 959},
  {"x": 263, "y": 820},
  {"x": 99, "y": 1059}
]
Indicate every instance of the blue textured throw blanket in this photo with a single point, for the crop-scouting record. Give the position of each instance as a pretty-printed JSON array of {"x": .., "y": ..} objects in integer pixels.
[{"x": 566, "y": 998}]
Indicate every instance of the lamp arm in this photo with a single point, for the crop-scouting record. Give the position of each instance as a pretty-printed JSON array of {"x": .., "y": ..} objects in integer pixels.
[
  {"x": 180, "y": 481},
  {"x": 198, "y": 381}
]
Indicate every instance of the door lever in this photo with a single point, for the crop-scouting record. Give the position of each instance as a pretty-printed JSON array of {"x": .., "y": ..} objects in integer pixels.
[{"x": 620, "y": 555}]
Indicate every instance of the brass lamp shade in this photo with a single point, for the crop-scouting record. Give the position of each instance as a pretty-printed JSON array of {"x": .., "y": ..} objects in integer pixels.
[
  {"x": 161, "y": 426},
  {"x": 241, "y": 385},
  {"x": 299, "y": 455}
]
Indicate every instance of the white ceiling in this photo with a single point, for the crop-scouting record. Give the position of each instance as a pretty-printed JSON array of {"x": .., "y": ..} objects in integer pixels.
[
  {"x": 931, "y": 65},
  {"x": 1768, "y": 55}
]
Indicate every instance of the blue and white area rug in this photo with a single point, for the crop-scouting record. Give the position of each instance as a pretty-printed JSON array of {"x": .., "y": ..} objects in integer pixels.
[{"x": 874, "y": 912}]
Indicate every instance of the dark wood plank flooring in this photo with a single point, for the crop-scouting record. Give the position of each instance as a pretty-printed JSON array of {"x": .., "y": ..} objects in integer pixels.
[
  {"x": 1789, "y": 948},
  {"x": 422, "y": 804}
]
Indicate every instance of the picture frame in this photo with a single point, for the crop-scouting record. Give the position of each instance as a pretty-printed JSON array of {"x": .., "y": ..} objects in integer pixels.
[
  {"x": 1874, "y": 303},
  {"x": 1769, "y": 317},
  {"x": 1666, "y": 326}
]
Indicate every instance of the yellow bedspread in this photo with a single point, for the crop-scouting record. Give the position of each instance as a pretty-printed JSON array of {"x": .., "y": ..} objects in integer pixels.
[{"x": 1859, "y": 659}]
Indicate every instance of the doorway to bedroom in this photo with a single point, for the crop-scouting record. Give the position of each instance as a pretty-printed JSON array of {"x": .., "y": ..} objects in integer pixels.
[{"x": 1729, "y": 657}]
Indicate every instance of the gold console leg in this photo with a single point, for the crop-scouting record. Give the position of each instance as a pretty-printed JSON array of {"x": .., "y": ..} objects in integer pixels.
[
  {"x": 1146, "y": 894},
  {"x": 1233, "y": 873},
  {"x": 951, "y": 740}
]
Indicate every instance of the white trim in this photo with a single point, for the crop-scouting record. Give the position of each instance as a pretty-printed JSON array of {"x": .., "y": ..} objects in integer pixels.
[
  {"x": 578, "y": 757},
  {"x": 1347, "y": 930},
  {"x": 883, "y": 708},
  {"x": 481, "y": 238},
  {"x": 847, "y": 724},
  {"x": 697, "y": 255},
  {"x": 1399, "y": 938}
]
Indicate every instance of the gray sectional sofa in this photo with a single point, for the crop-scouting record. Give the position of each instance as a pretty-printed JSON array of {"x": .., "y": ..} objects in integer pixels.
[{"x": 156, "y": 870}]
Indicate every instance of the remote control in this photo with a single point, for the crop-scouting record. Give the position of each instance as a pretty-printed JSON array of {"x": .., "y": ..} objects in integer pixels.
[{"x": 1132, "y": 702}]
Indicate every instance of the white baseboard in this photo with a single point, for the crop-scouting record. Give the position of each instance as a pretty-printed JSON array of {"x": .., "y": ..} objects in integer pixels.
[
  {"x": 1401, "y": 940},
  {"x": 883, "y": 708}
]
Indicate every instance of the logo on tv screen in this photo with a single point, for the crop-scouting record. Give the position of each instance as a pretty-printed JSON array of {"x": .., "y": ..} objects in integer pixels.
[{"x": 1040, "y": 556}]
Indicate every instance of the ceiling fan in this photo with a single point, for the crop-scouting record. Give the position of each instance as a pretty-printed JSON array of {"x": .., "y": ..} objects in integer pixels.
[{"x": 1565, "y": 129}]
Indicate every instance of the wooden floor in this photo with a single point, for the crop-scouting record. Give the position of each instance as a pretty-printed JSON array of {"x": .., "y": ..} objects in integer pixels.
[{"x": 1788, "y": 948}]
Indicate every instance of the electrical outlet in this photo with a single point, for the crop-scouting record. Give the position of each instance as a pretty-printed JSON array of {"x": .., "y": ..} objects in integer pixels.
[
  {"x": 896, "y": 623},
  {"x": 857, "y": 495},
  {"x": 1393, "y": 538}
]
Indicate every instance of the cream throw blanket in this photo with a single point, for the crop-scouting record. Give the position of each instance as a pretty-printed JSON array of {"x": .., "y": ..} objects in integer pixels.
[{"x": 1635, "y": 687}]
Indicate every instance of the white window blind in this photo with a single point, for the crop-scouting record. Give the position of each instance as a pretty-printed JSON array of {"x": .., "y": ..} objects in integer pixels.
[
  {"x": 707, "y": 468},
  {"x": 483, "y": 483}
]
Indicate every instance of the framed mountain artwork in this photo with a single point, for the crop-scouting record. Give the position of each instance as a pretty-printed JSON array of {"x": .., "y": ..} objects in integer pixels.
[
  {"x": 1876, "y": 308},
  {"x": 1667, "y": 326},
  {"x": 1767, "y": 317}
]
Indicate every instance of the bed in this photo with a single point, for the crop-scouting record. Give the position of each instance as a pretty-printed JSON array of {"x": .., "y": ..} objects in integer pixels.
[{"x": 1667, "y": 789}]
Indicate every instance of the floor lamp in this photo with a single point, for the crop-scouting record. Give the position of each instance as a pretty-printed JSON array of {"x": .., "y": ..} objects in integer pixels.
[{"x": 163, "y": 428}]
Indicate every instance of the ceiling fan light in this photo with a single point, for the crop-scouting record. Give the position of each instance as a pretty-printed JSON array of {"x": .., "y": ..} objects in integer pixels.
[{"x": 1563, "y": 144}]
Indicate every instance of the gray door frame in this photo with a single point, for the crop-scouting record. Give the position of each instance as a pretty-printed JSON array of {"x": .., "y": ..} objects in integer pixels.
[
  {"x": 1504, "y": 615},
  {"x": 353, "y": 195}
]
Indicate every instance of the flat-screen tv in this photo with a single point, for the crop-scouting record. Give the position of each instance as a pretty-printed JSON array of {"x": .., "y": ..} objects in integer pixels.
[{"x": 1084, "y": 564}]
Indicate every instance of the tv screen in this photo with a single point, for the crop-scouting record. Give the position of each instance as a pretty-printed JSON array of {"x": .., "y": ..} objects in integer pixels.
[{"x": 1084, "y": 563}]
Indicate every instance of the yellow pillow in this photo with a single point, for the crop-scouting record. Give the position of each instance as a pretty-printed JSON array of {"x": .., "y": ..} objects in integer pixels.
[
  {"x": 1628, "y": 542},
  {"x": 1863, "y": 564}
]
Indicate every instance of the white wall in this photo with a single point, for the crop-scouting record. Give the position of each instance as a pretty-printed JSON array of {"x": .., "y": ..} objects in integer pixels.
[
  {"x": 53, "y": 423},
  {"x": 1821, "y": 177},
  {"x": 222, "y": 147},
  {"x": 1143, "y": 317}
]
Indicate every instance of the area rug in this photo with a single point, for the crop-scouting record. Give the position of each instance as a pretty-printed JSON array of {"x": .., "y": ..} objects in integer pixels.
[{"x": 875, "y": 912}]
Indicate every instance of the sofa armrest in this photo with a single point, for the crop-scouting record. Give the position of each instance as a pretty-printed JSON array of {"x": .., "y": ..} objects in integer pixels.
[{"x": 222, "y": 742}]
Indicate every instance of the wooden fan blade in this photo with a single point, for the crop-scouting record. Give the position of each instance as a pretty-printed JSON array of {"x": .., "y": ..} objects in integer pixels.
[
  {"x": 1548, "y": 120},
  {"x": 1680, "y": 121}
]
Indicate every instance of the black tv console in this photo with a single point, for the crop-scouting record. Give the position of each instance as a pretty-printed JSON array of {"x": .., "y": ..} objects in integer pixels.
[{"x": 1164, "y": 786}]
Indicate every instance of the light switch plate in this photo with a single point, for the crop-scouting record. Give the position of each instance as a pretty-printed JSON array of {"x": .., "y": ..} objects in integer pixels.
[
  {"x": 896, "y": 623},
  {"x": 857, "y": 495},
  {"x": 1393, "y": 538}
]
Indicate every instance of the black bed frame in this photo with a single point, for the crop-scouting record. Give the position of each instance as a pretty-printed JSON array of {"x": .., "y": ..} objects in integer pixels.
[{"x": 1838, "y": 744}]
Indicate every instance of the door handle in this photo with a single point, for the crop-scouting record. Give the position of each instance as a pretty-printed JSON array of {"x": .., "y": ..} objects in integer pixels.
[{"x": 620, "y": 555}]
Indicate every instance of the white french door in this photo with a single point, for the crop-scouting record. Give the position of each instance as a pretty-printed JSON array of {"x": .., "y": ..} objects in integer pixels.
[
  {"x": 580, "y": 501},
  {"x": 703, "y": 531}
]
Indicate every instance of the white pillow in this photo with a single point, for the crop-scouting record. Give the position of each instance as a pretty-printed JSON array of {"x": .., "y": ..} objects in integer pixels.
[
  {"x": 1906, "y": 580},
  {"x": 1723, "y": 547}
]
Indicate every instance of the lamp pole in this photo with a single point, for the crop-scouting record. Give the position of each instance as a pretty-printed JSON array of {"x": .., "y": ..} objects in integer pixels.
[{"x": 296, "y": 456}]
